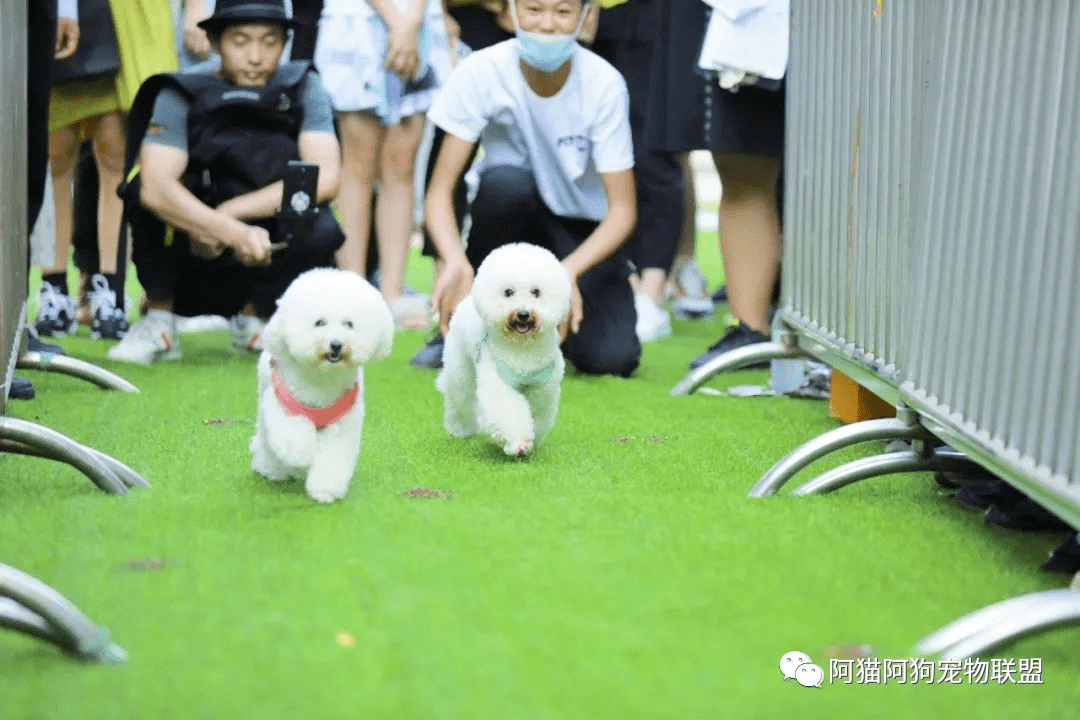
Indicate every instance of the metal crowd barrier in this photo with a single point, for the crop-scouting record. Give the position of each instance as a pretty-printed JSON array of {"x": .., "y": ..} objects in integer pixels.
[
  {"x": 855, "y": 97},
  {"x": 932, "y": 224},
  {"x": 26, "y": 604},
  {"x": 992, "y": 332}
]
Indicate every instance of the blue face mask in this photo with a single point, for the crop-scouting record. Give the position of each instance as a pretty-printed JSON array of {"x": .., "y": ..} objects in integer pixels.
[{"x": 542, "y": 51}]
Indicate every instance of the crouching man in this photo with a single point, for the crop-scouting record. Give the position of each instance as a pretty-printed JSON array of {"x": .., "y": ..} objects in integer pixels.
[{"x": 209, "y": 182}]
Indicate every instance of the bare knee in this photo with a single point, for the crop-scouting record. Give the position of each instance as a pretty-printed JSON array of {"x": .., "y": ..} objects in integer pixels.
[{"x": 747, "y": 175}]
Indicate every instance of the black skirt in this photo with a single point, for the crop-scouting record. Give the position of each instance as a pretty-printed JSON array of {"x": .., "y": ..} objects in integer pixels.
[{"x": 688, "y": 110}]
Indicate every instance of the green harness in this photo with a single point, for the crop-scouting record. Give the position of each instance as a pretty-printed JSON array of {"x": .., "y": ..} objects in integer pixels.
[{"x": 515, "y": 379}]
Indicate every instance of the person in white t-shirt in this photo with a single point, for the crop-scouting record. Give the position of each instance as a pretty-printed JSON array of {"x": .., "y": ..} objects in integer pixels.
[{"x": 552, "y": 119}]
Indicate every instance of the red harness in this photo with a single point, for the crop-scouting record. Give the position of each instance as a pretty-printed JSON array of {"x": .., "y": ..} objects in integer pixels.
[{"x": 321, "y": 416}]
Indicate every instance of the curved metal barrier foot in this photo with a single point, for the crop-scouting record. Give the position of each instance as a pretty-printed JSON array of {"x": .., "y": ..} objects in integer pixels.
[
  {"x": 57, "y": 446},
  {"x": 885, "y": 464},
  {"x": 78, "y": 368},
  {"x": 996, "y": 625},
  {"x": 733, "y": 360},
  {"x": 39, "y": 610},
  {"x": 126, "y": 475},
  {"x": 903, "y": 427}
]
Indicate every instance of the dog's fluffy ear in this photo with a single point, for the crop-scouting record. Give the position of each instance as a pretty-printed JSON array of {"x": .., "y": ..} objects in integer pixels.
[
  {"x": 379, "y": 324},
  {"x": 273, "y": 335}
]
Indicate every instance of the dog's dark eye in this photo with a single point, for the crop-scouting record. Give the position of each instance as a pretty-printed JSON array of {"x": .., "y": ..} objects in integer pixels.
[
  {"x": 348, "y": 324},
  {"x": 320, "y": 322},
  {"x": 536, "y": 292},
  {"x": 508, "y": 292}
]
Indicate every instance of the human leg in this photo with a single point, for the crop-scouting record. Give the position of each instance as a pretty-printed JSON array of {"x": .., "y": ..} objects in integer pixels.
[
  {"x": 361, "y": 137},
  {"x": 750, "y": 246},
  {"x": 56, "y": 311},
  {"x": 394, "y": 213},
  {"x": 749, "y": 234},
  {"x": 108, "y": 319},
  {"x": 607, "y": 342}
]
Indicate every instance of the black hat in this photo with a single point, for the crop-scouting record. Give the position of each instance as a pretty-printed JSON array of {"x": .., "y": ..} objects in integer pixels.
[{"x": 237, "y": 12}]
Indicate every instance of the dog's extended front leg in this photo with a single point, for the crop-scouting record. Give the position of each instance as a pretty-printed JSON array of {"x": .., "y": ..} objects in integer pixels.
[
  {"x": 334, "y": 461},
  {"x": 544, "y": 404},
  {"x": 290, "y": 438},
  {"x": 504, "y": 412},
  {"x": 263, "y": 460}
]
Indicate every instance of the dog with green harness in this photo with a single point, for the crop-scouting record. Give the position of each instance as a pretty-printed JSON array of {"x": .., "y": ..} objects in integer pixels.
[{"x": 502, "y": 366}]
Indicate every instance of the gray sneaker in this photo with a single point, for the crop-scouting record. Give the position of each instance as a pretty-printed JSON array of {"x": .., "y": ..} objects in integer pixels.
[
  {"x": 151, "y": 339},
  {"x": 246, "y": 333}
]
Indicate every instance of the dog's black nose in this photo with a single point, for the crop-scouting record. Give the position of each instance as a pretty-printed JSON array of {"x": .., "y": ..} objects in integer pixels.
[
  {"x": 523, "y": 315},
  {"x": 335, "y": 346}
]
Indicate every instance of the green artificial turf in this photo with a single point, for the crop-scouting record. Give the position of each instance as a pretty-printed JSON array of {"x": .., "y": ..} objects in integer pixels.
[{"x": 619, "y": 572}]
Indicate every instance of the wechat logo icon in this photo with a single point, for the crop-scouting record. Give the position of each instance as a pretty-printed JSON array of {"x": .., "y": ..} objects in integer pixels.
[{"x": 797, "y": 665}]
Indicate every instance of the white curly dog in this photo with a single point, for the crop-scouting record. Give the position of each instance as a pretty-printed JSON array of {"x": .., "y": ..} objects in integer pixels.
[
  {"x": 502, "y": 366},
  {"x": 327, "y": 325}
]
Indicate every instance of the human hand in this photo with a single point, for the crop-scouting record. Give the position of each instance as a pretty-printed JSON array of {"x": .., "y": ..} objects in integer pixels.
[
  {"x": 590, "y": 24},
  {"x": 206, "y": 248},
  {"x": 402, "y": 55},
  {"x": 572, "y": 323},
  {"x": 252, "y": 245},
  {"x": 67, "y": 38},
  {"x": 195, "y": 40},
  {"x": 453, "y": 284},
  {"x": 453, "y": 33}
]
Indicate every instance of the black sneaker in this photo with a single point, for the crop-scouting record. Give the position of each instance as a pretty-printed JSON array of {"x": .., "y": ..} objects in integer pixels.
[
  {"x": 1025, "y": 514},
  {"x": 21, "y": 389},
  {"x": 55, "y": 312},
  {"x": 1065, "y": 557},
  {"x": 107, "y": 320},
  {"x": 430, "y": 356},
  {"x": 739, "y": 336},
  {"x": 981, "y": 496},
  {"x": 36, "y": 344}
]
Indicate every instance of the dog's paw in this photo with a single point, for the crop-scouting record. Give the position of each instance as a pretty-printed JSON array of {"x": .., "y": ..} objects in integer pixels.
[
  {"x": 323, "y": 497},
  {"x": 521, "y": 448},
  {"x": 268, "y": 467},
  {"x": 325, "y": 492}
]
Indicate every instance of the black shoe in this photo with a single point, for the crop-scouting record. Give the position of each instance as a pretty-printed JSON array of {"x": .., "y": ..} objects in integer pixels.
[
  {"x": 739, "y": 336},
  {"x": 981, "y": 495},
  {"x": 720, "y": 296},
  {"x": 1024, "y": 515},
  {"x": 1065, "y": 557},
  {"x": 948, "y": 481},
  {"x": 21, "y": 389},
  {"x": 430, "y": 356},
  {"x": 36, "y": 344}
]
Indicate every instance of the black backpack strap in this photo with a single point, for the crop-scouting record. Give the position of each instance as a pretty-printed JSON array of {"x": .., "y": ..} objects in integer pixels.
[{"x": 138, "y": 121}]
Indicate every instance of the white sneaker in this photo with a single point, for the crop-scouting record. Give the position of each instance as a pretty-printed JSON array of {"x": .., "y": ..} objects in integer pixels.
[
  {"x": 55, "y": 312},
  {"x": 151, "y": 339},
  {"x": 692, "y": 292},
  {"x": 202, "y": 323},
  {"x": 246, "y": 333},
  {"x": 653, "y": 321}
]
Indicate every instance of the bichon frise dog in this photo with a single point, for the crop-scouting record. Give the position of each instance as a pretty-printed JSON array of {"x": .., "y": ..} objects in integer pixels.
[
  {"x": 327, "y": 325},
  {"x": 501, "y": 364}
]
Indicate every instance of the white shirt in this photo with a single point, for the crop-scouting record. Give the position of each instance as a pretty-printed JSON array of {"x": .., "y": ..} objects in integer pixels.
[
  {"x": 363, "y": 7},
  {"x": 567, "y": 140},
  {"x": 68, "y": 9}
]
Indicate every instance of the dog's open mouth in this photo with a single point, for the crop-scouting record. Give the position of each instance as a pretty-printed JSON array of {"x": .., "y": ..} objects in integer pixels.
[
  {"x": 335, "y": 355},
  {"x": 516, "y": 326}
]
